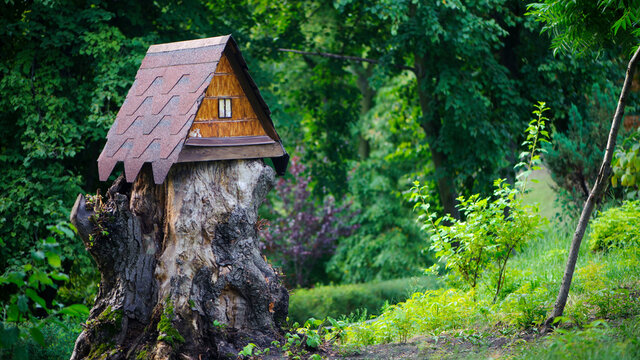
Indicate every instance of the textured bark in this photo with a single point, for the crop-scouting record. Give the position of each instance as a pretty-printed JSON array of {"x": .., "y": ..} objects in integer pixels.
[
  {"x": 177, "y": 257},
  {"x": 594, "y": 195}
]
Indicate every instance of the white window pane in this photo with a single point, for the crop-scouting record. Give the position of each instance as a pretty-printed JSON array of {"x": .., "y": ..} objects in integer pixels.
[
  {"x": 227, "y": 108},
  {"x": 220, "y": 108}
]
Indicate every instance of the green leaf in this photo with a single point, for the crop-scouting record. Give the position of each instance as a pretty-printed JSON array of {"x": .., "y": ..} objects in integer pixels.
[
  {"x": 37, "y": 336},
  {"x": 54, "y": 259},
  {"x": 59, "y": 276},
  {"x": 76, "y": 310},
  {"x": 37, "y": 299}
]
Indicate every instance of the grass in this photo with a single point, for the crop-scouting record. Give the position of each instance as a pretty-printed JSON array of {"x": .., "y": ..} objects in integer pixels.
[{"x": 600, "y": 319}]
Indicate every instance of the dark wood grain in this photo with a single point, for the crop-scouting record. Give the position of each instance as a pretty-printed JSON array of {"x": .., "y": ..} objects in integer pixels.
[{"x": 203, "y": 153}]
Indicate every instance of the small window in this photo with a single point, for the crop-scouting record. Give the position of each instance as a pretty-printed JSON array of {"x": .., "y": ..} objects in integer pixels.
[{"x": 224, "y": 108}]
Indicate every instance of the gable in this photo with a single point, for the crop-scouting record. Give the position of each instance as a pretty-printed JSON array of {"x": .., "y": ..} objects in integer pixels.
[{"x": 243, "y": 120}]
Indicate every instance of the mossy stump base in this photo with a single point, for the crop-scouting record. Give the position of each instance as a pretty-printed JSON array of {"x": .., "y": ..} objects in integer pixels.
[{"x": 182, "y": 276}]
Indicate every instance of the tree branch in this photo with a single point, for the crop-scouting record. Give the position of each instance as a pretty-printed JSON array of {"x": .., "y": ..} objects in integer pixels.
[{"x": 345, "y": 57}]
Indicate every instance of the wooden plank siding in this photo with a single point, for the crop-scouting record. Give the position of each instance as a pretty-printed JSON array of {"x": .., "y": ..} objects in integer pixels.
[
  {"x": 243, "y": 120},
  {"x": 217, "y": 128}
]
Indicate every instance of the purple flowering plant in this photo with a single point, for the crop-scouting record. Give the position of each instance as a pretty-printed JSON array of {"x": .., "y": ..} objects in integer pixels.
[{"x": 303, "y": 234}]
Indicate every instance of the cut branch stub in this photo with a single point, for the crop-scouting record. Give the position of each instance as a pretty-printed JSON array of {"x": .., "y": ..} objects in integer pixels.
[{"x": 182, "y": 274}]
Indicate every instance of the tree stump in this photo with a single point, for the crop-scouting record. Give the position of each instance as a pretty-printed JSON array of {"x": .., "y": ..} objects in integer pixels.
[{"x": 182, "y": 276}]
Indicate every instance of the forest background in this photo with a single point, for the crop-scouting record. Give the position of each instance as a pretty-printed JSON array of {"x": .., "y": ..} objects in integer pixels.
[{"x": 432, "y": 91}]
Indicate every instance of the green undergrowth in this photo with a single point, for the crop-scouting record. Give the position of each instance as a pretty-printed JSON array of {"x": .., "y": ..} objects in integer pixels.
[
  {"x": 599, "y": 340},
  {"x": 606, "y": 287},
  {"x": 346, "y": 300}
]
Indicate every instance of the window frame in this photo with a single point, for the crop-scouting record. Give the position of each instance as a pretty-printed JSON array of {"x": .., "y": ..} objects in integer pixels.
[{"x": 225, "y": 109}]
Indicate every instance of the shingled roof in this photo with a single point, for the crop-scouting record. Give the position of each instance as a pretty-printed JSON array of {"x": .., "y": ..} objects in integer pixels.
[{"x": 154, "y": 121}]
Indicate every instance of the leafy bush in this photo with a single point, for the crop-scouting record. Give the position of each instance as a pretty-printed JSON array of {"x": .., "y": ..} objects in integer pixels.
[
  {"x": 616, "y": 227},
  {"x": 59, "y": 339},
  {"x": 626, "y": 165},
  {"x": 492, "y": 229},
  {"x": 26, "y": 300},
  {"x": 342, "y": 300}
]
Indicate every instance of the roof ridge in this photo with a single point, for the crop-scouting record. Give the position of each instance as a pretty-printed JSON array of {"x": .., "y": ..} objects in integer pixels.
[{"x": 188, "y": 44}]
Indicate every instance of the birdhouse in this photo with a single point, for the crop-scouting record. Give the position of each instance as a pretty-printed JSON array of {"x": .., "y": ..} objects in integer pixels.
[{"x": 191, "y": 101}]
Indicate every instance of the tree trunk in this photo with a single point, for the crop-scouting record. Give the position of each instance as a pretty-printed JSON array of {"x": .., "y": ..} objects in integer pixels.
[
  {"x": 446, "y": 185},
  {"x": 181, "y": 273},
  {"x": 594, "y": 195},
  {"x": 363, "y": 73}
]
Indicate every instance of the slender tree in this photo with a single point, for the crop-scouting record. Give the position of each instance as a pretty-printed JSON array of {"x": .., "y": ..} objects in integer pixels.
[{"x": 577, "y": 26}]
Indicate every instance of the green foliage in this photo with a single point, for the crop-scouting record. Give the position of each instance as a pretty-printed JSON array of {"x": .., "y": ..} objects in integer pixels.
[
  {"x": 59, "y": 339},
  {"x": 167, "y": 332},
  {"x": 491, "y": 232},
  {"x": 492, "y": 229},
  {"x": 426, "y": 312},
  {"x": 342, "y": 300},
  {"x": 616, "y": 227},
  {"x": 605, "y": 286},
  {"x": 578, "y": 25},
  {"x": 596, "y": 341},
  {"x": 575, "y": 156},
  {"x": 253, "y": 351},
  {"x": 25, "y": 311},
  {"x": 388, "y": 243},
  {"x": 626, "y": 165}
]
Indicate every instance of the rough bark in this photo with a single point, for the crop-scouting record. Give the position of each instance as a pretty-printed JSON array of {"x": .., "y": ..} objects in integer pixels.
[
  {"x": 182, "y": 276},
  {"x": 594, "y": 195}
]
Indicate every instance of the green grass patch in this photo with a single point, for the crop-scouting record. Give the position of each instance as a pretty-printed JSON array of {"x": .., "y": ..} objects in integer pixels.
[
  {"x": 606, "y": 286},
  {"x": 344, "y": 300}
]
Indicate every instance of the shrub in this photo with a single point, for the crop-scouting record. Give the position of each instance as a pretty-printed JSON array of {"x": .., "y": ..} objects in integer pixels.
[
  {"x": 626, "y": 165},
  {"x": 492, "y": 228},
  {"x": 343, "y": 300},
  {"x": 302, "y": 236},
  {"x": 616, "y": 227},
  {"x": 575, "y": 156}
]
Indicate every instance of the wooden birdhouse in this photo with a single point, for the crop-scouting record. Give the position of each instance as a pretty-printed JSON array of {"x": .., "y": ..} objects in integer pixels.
[{"x": 191, "y": 101}]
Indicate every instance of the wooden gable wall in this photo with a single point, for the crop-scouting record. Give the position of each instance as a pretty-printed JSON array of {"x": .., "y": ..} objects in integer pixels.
[{"x": 244, "y": 121}]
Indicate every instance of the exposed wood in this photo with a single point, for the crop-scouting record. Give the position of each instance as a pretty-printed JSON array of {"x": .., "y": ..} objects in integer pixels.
[
  {"x": 202, "y": 153},
  {"x": 344, "y": 57},
  {"x": 175, "y": 259},
  {"x": 250, "y": 91},
  {"x": 594, "y": 195},
  {"x": 224, "y": 85},
  {"x": 230, "y": 141},
  {"x": 249, "y": 127},
  {"x": 223, "y": 66}
]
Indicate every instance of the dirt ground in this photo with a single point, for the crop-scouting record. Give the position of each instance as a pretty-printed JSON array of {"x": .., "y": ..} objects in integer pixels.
[{"x": 437, "y": 347}]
